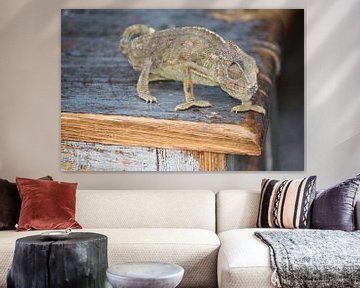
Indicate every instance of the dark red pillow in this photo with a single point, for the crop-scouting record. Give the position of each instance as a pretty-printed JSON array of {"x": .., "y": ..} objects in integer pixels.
[
  {"x": 46, "y": 204},
  {"x": 10, "y": 204}
]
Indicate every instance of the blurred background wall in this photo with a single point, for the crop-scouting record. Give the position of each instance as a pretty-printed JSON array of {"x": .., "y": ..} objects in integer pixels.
[{"x": 30, "y": 95}]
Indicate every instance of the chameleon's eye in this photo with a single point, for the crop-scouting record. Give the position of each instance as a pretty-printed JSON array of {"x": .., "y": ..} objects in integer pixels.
[{"x": 234, "y": 71}]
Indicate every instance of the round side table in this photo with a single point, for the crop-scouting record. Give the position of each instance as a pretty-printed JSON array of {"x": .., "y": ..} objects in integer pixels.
[
  {"x": 145, "y": 275},
  {"x": 80, "y": 261}
]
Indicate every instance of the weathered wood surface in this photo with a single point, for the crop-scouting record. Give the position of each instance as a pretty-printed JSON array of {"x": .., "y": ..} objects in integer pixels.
[
  {"x": 97, "y": 79},
  {"x": 160, "y": 133},
  {"x": 80, "y": 156},
  {"x": 79, "y": 261}
]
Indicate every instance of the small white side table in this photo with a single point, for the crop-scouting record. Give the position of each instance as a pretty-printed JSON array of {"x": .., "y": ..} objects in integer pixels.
[{"x": 145, "y": 275}]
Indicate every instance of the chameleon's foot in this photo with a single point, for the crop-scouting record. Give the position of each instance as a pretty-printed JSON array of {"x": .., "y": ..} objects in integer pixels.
[
  {"x": 248, "y": 107},
  {"x": 148, "y": 98},
  {"x": 187, "y": 105}
]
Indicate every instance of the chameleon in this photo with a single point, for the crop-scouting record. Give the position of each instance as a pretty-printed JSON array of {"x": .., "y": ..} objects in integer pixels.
[{"x": 193, "y": 55}]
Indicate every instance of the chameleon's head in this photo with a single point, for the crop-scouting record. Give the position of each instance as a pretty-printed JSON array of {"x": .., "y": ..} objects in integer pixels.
[{"x": 238, "y": 75}]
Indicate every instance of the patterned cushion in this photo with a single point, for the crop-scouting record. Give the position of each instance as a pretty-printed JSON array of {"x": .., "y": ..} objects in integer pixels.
[{"x": 286, "y": 204}]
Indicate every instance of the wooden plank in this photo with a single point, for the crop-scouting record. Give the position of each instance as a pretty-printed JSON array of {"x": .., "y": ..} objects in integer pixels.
[
  {"x": 97, "y": 79},
  {"x": 148, "y": 132},
  {"x": 179, "y": 160},
  {"x": 111, "y": 22},
  {"x": 176, "y": 160},
  {"x": 79, "y": 156},
  {"x": 98, "y": 92},
  {"x": 211, "y": 161},
  {"x": 281, "y": 16}
]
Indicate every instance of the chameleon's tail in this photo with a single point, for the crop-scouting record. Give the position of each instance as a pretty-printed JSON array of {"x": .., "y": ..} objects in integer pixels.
[{"x": 131, "y": 33}]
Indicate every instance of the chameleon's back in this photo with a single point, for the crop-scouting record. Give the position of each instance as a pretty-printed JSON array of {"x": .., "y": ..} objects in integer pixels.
[
  {"x": 166, "y": 46},
  {"x": 181, "y": 40}
]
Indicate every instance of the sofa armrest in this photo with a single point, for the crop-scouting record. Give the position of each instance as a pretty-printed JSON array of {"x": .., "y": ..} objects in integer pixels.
[{"x": 357, "y": 215}]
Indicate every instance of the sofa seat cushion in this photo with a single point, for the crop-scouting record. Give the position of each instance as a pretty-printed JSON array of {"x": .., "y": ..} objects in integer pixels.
[
  {"x": 194, "y": 249},
  {"x": 244, "y": 261}
]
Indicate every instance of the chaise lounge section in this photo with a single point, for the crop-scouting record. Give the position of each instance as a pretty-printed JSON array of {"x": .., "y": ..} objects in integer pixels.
[{"x": 244, "y": 260}]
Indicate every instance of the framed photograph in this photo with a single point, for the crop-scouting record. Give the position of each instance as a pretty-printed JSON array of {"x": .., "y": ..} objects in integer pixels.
[{"x": 176, "y": 90}]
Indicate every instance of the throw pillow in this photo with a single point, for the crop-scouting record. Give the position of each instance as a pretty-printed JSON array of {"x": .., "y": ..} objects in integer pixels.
[
  {"x": 286, "y": 204},
  {"x": 46, "y": 204},
  {"x": 334, "y": 208},
  {"x": 10, "y": 204}
]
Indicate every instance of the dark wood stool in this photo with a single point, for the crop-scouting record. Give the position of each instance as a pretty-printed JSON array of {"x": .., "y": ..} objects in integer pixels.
[{"x": 77, "y": 261}]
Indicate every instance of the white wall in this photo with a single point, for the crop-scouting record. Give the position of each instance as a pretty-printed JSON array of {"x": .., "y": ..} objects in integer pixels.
[{"x": 30, "y": 95}]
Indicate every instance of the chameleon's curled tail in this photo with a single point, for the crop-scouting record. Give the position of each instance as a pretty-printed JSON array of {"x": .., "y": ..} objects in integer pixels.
[{"x": 131, "y": 33}]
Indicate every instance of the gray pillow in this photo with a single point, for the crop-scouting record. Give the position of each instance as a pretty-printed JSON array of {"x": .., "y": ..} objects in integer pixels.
[{"x": 334, "y": 208}]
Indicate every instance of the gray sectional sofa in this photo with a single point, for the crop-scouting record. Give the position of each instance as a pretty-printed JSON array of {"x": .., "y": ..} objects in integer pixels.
[{"x": 210, "y": 235}]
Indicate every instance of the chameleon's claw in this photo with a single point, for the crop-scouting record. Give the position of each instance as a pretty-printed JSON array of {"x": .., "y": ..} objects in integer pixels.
[
  {"x": 149, "y": 98},
  {"x": 248, "y": 107},
  {"x": 187, "y": 105}
]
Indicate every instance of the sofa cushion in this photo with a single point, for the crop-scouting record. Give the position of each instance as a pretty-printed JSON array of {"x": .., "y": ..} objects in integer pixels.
[
  {"x": 236, "y": 209},
  {"x": 153, "y": 209},
  {"x": 46, "y": 204},
  {"x": 334, "y": 208},
  {"x": 286, "y": 204},
  {"x": 244, "y": 260},
  {"x": 194, "y": 249},
  {"x": 10, "y": 204}
]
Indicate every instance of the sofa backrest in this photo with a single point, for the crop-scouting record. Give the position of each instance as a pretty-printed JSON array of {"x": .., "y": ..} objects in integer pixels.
[
  {"x": 239, "y": 209},
  {"x": 146, "y": 209},
  {"x": 236, "y": 209}
]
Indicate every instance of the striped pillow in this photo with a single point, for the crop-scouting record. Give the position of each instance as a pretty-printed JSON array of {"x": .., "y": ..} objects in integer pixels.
[{"x": 286, "y": 204}]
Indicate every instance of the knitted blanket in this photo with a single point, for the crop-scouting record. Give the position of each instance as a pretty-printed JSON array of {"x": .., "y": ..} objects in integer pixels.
[{"x": 313, "y": 258}]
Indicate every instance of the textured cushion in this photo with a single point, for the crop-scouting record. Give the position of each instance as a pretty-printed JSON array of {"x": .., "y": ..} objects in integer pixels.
[
  {"x": 194, "y": 249},
  {"x": 146, "y": 209},
  {"x": 236, "y": 209},
  {"x": 10, "y": 204},
  {"x": 334, "y": 208},
  {"x": 244, "y": 260},
  {"x": 46, "y": 204},
  {"x": 286, "y": 204}
]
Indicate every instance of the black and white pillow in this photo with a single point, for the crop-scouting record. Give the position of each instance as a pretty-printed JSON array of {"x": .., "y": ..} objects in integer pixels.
[{"x": 286, "y": 204}]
